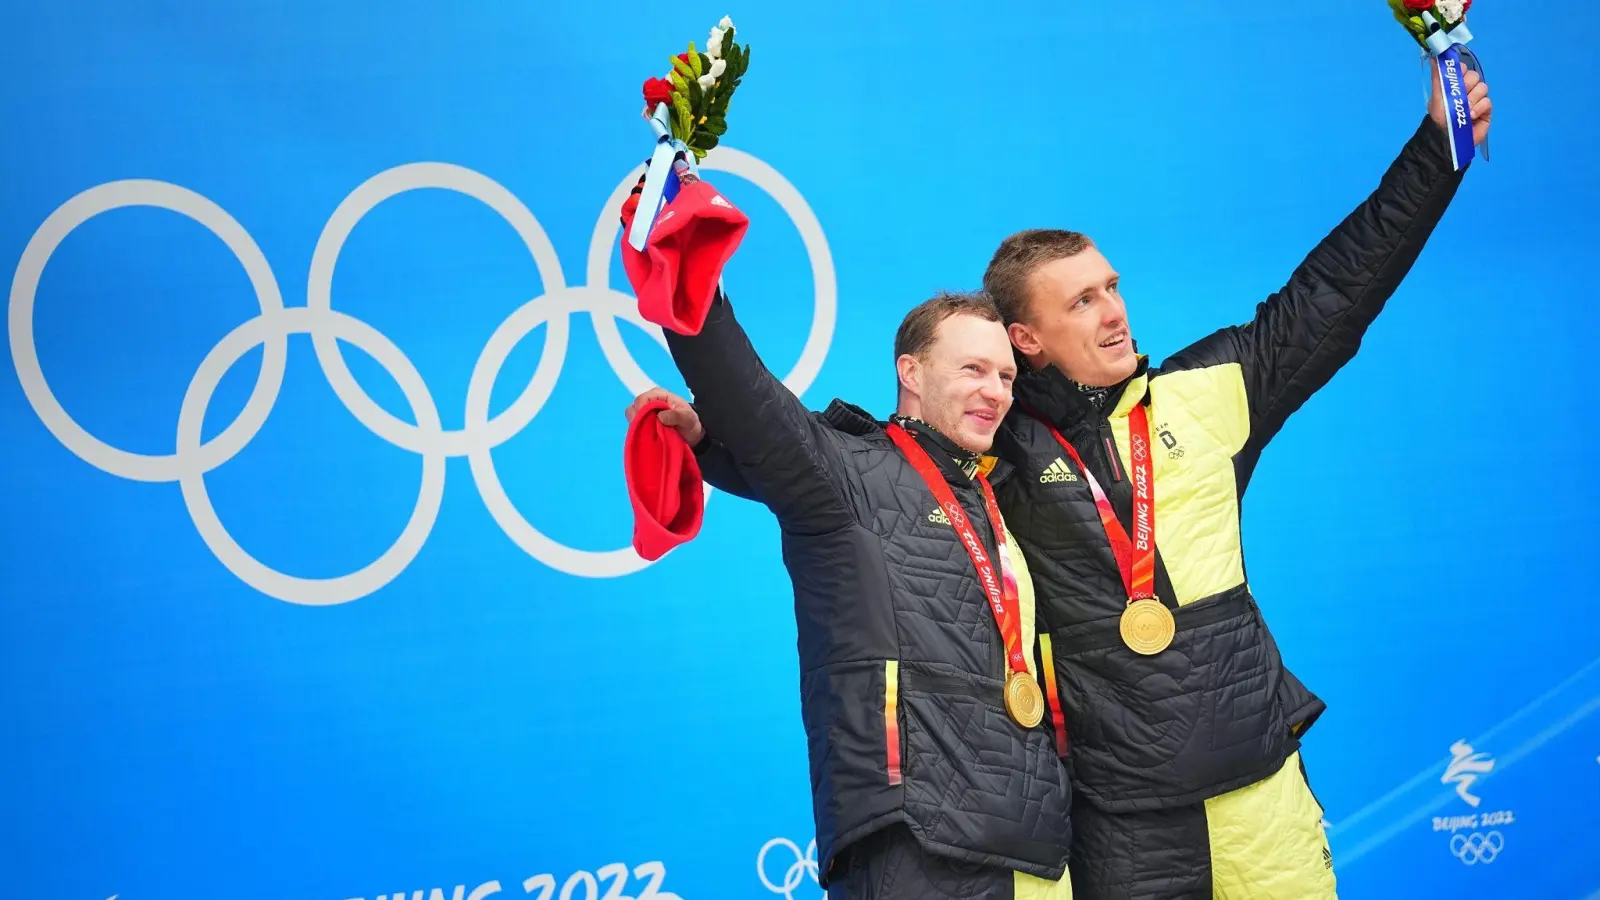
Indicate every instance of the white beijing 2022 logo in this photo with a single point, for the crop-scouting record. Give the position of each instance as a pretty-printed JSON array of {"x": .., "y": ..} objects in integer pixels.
[{"x": 192, "y": 458}]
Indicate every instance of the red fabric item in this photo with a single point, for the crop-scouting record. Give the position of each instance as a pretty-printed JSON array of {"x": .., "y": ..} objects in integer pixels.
[
  {"x": 664, "y": 484},
  {"x": 676, "y": 276}
]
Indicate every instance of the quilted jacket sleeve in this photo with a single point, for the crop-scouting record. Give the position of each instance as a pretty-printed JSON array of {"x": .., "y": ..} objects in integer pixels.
[
  {"x": 787, "y": 459},
  {"x": 1303, "y": 334},
  {"x": 720, "y": 470}
]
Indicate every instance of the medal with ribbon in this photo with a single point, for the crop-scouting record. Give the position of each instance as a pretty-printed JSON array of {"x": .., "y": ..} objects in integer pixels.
[
  {"x": 1440, "y": 27},
  {"x": 1024, "y": 701},
  {"x": 1147, "y": 626}
]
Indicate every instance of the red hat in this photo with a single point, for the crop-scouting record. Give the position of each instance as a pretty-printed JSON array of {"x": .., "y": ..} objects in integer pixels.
[
  {"x": 676, "y": 276},
  {"x": 664, "y": 484}
]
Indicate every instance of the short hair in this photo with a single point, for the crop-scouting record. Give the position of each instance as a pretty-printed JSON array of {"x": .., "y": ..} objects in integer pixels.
[
  {"x": 918, "y": 328},
  {"x": 1008, "y": 280}
]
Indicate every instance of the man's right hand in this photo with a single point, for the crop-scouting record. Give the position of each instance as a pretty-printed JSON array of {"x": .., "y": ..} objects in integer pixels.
[{"x": 679, "y": 415}]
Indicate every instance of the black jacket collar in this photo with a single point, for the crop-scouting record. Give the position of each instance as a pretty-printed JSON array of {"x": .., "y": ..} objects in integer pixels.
[
  {"x": 955, "y": 462},
  {"x": 1056, "y": 397}
]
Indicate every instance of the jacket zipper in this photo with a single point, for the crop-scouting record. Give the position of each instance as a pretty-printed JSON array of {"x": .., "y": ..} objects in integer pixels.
[{"x": 1111, "y": 451}]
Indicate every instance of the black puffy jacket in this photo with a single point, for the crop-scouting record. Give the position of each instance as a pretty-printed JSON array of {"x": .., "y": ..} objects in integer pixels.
[
  {"x": 1217, "y": 709},
  {"x": 899, "y": 652}
]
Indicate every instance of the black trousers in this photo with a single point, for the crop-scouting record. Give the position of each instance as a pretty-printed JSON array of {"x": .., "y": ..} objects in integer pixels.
[{"x": 891, "y": 865}]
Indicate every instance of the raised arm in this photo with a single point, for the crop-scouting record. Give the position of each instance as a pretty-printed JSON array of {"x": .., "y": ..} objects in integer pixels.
[
  {"x": 1303, "y": 334},
  {"x": 781, "y": 454}
]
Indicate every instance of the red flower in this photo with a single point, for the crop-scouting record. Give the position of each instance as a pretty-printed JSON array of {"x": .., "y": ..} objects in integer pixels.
[
  {"x": 1464, "y": 7},
  {"x": 657, "y": 90},
  {"x": 1419, "y": 4}
]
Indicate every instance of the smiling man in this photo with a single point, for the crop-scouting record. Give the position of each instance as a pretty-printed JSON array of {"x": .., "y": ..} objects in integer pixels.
[
  {"x": 932, "y": 768},
  {"x": 1123, "y": 491},
  {"x": 1183, "y": 722}
]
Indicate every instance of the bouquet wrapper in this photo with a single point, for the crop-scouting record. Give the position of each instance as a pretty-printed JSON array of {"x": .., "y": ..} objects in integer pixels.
[
  {"x": 665, "y": 486},
  {"x": 694, "y": 235}
]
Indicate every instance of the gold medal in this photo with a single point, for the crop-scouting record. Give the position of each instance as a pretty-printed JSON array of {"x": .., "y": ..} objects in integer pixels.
[
  {"x": 1147, "y": 626},
  {"x": 1024, "y": 700}
]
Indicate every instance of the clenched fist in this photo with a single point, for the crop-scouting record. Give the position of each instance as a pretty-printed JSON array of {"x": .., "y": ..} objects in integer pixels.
[
  {"x": 1477, "y": 101},
  {"x": 679, "y": 415}
]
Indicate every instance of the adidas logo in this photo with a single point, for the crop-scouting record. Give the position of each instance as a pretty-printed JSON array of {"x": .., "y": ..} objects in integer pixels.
[
  {"x": 1327, "y": 857},
  {"x": 718, "y": 201},
  {"x": 1057, "y": 473},
  {"x": 938, "y": 517}
]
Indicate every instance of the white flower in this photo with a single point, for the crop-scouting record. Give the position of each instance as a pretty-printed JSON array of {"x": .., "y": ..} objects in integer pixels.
[
  {"x": 714, "y": 43},
  {"x": 1450, "y": 10},
  {"x": 707, "y": 80},
  {"x": 725, "y": 24},
  {"x": 718, "y": 66}
]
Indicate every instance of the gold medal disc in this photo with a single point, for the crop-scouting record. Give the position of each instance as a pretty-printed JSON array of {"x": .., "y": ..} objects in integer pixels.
[
  {"x": 1024, "y": 700},
  {"x": 1147, "y": 627}
]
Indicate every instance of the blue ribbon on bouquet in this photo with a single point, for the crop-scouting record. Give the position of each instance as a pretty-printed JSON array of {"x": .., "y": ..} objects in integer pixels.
[
  {"x": 660, "y": 181},
  {"x": 1448, "y": 50}
]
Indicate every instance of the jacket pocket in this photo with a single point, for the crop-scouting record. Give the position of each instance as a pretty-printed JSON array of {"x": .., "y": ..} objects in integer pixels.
[
  {"x": 986, "y": 788},
  {"x": 1200, "y": 717}
]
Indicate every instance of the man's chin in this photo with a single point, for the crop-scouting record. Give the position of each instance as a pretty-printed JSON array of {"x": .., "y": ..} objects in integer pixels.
[
  {"x": 1117, "y": 369},
  {"x": 974, "y": 440}
]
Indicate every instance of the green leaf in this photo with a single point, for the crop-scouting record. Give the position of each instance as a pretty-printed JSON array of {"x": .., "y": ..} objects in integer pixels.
[
  {"x": 703, "y": 140},
  {"x": 705, "y": 63},
  {"x": 694, "y": 61},
  {"x": 683, "y": 68},
  {"x": 685, "y": 128},
  {"x": 717, "y": 125},
  {"x": 696, "y": 96}
]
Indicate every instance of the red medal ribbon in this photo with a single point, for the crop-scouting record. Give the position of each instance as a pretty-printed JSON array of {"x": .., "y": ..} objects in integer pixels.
[
  {"x": 1002, "y": 593},
  {"x": 1136, "y": 556}
]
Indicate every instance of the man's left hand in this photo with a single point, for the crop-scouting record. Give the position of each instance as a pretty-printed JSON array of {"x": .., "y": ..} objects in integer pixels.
[{"x": 1477, "y": 101}]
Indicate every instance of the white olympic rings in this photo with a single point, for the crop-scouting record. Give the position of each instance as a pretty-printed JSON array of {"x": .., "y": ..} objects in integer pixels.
[
  {"x": 193, "y": 457},
  {"x": 805, "y": 864},
  {"x": 1474, "y": 848}
]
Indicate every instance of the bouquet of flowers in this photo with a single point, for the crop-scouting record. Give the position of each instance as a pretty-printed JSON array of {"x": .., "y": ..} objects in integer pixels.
[
  {"x": 1425, "y": 18},
  {"x": 681, "y": 230},
  {"x": 688, "y": 110},
  {"x": 694, "y": 96},
  {"x": 1440, "y": 28}
]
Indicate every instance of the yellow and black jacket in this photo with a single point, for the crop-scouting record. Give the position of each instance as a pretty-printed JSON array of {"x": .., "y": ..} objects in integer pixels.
[{"x": 1217, "y": 709}]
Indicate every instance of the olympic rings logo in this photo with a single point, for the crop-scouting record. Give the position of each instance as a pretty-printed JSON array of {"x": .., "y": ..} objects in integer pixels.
[
  {"x": 804, "y": 865},
  {"x": 1474, "y": 848},
  {"x": 193, "y": 458}
]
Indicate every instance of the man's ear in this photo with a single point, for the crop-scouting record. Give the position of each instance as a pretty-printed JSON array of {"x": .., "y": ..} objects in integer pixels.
[
  {"x": 1023, "y": 338},
  {"x": 909, "y": 370}
]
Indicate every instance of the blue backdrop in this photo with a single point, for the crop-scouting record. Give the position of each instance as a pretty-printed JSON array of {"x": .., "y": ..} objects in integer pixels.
[{"x": 243, "y": 659}]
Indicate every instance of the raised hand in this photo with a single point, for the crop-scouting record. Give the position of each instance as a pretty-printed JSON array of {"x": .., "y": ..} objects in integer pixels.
[{"x": 1477, "y": 101}]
